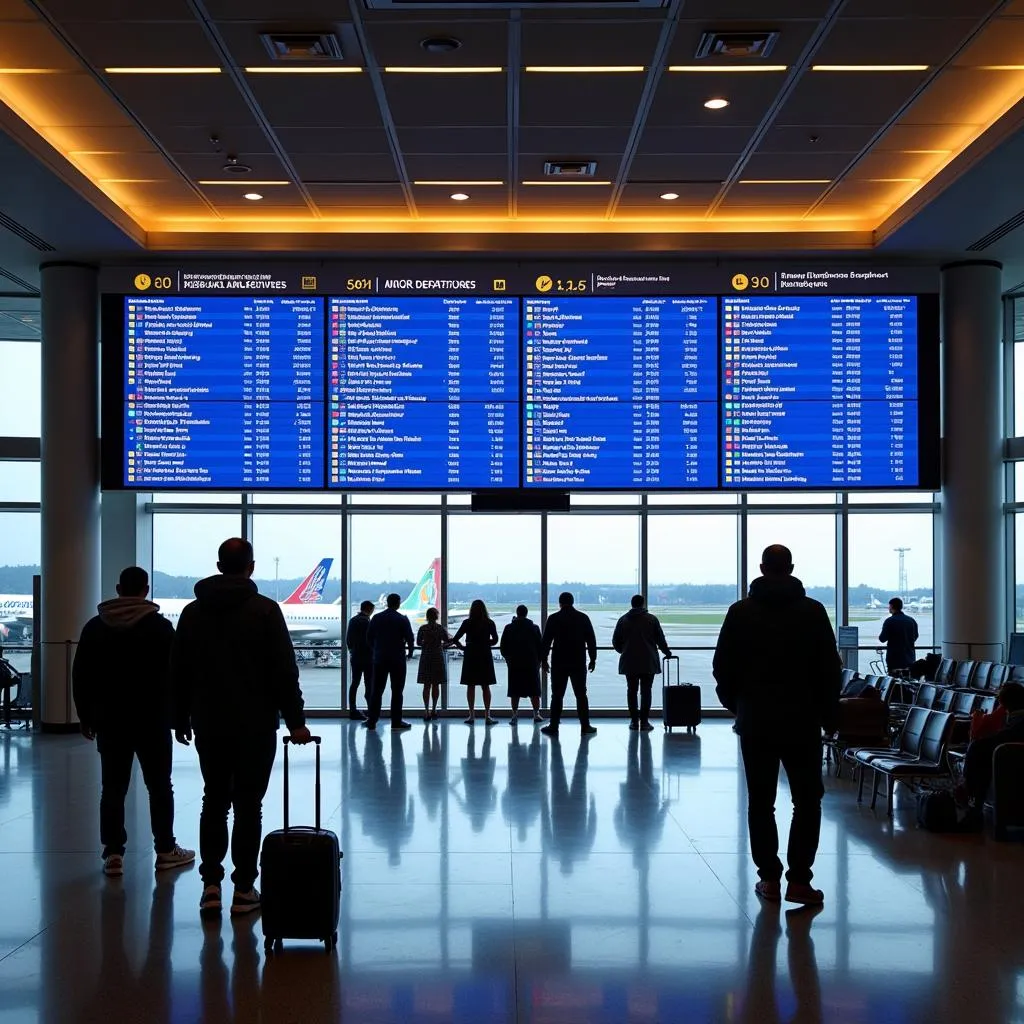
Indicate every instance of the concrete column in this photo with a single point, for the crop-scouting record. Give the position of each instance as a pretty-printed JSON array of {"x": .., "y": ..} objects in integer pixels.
[
  {"x": 70, "y": 476},
  {"x": 972, "y": 585}
]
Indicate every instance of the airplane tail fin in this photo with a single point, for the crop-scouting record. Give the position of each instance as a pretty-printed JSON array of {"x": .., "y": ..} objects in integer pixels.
[
  {"x": 426, "y": 592},
  {"x": 311, "y": 589}
]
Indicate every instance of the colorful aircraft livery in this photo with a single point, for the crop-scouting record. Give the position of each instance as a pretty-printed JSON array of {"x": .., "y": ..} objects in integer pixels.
[
  {"x": 425, "y": 594},
  {"x": 311, "y": 589}
]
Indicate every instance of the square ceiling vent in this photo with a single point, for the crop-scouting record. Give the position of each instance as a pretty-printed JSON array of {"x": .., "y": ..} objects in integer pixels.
[
  {"x": 510, "y": 5},
  {"x": 302, "y": 47},
  {"x": 737, "y": 45}
]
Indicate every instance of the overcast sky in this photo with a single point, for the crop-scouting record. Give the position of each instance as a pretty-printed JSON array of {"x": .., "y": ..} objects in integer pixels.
[{"x": 582, "y": 548}]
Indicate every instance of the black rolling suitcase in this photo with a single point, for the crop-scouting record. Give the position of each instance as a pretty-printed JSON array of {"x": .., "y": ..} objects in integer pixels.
[
  {"x": 300, "y": 872},
  {"x": 680, "y": 702}
]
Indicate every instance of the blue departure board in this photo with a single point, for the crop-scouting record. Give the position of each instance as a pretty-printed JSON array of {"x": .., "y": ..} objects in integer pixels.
[
  {"x": 620, "y": 392},
  {"x": 224, "y": 392},
  {"x": 423, "y": 393},
  {"x": 819, "y": 392}
]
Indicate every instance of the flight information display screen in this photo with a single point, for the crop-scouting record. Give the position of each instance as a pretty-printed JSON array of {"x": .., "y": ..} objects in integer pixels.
[
  {"x": 423, "y": 393},
  {"x": 819, "y": 391},
  {"x": 223, "y": 392},
  {"x": 620, "y": 392}
]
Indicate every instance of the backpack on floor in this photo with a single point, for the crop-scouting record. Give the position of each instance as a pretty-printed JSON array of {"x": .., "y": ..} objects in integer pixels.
[{"x": 936, "y": 811}]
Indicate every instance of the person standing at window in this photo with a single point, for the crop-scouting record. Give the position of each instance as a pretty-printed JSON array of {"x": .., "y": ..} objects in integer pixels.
[
  {"x": 638, "y": 637},
  {"x": 478, "y": 664},
  {"x": 521, "y": 647},
  {"x": 570, "y": 633},
  {"x": 899, "y": 634},
  {"x": 390, "y": 638},
  {"x": 360, "y": 659},
  {"x": 431, "y": 638}
]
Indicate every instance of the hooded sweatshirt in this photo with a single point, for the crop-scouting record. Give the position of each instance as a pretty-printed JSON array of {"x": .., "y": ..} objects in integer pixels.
[
  {"x": 233, "y": 663},
  {"x": 776, "y": 664},
  {"x": 121, "y": 673},
  {"x": 638, "y": 637}
]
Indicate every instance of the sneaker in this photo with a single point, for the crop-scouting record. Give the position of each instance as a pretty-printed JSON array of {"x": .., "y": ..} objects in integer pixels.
[
  {"x": 469, "y": 721},
  {"x": 398, "y": 726},
  {"x": 538, "y": 717},
  {"x": 209, "y": 902},
  {"x": 356, "y": 715},
  {"x": 176, "y": 858},
  {"x": 245, "y": 902},
  {"x": 490, "y": 721},
  {"x": 588, "y": 730},
  {"x": 369, "y": 724},
  {"x": 769, "y": 889},
  {"x": 804, "y": 894},
  {"x": 634, "y": 725},
  {"x": 113, "y": 865},
  {"x": 550, "y": 730},
  {"x": 646, "y": 727}
]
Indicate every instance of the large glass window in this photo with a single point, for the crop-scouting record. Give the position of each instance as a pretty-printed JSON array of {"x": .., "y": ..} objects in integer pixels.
[
  {"x": 298, "y": 562},
  {"x": 890, "y": 556},
  {"x": 1018, "y": 589},
  {"x": 185, "y": 549},
  {"x": 496, "y": 558},
  {"x": 19, "y": 562},
  {"x": 19, "y": 481},
  {"x": 19, "y": 388},
  {"x": 597, "y": 558}
]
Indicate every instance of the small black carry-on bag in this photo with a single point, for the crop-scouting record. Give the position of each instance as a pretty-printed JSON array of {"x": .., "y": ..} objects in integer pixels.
[
  {"x": 680, "y": 702},
  {"x": 300, "y": 871}
]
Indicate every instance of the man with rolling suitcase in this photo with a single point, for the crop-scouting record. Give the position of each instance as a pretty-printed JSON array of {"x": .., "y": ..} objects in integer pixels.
[
  {"x": 778, "y": 670},
  {"x": 234, "y": 676},
  {"x": 638, "y": 637}
]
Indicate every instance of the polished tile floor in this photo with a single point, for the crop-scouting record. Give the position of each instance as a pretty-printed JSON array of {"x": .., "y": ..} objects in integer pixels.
[{"x": 493, "y": 875}]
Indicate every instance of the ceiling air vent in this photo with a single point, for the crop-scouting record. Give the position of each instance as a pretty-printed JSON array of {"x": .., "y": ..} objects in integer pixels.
[
  {"x": 739, "y": 45},
  {"x": 570, "y": 168},
  {"x": 302, "y": 47}
]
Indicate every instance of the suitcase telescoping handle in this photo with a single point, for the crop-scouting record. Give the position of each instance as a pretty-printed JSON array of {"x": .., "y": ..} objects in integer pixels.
[
  {"x": 316, "y": 743},
  {"x": 666, "y": 661}
]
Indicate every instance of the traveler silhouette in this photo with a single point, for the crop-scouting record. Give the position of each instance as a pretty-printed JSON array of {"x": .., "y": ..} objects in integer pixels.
[
  {"x": 360, "y": 659},
  {"x": 899, "y": 634},
  {"x": 433, "y": 769},
  {"x": 121, "y": 680},
  {"x": 478, "y": 783},
  {"x": 432, "y": 638},
  {"x": 638, "y": 637},
  {"x": 569, "y": 824},
  {"x": 234, "y": 676},
  {"x": 526, "y": 789},
  {"x": 478, "y": 663},
  {"x": 522, "y": 648},
  {"x": 778, "y": 670},
  {"x": 569, "y": 640},
  {"x": 390, "y": 638}
]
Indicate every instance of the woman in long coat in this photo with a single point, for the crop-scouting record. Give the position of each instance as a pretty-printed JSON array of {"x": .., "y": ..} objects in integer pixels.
[
  {"x": 523, "y": 653},
  {"x": 478, "y": 663}
]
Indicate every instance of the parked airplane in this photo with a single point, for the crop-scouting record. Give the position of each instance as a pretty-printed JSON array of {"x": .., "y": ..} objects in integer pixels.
[
  {"x": 424, "y": 595},
  {"x": 15, "y": 616},
  {"x": 873, "y": 603}
]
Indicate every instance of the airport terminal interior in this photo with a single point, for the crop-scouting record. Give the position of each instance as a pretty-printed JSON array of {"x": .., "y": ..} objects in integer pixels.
[{"x": 495, "y": 301}]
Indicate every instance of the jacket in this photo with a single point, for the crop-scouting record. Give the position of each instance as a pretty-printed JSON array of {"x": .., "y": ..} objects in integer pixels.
[
  {"x": 390, "y": 636},
  {"x": 899, "y": 634},
  {"x": 121, "y": 673},
  {"x": 355, "y": 639},
  {"x": 638, "y": 637},
  {"x": 233, "y": 663},
  {"x": 571, "y": 634},
  {"x": 776, "y": 663},
  {"x": 521, "y": 645}
]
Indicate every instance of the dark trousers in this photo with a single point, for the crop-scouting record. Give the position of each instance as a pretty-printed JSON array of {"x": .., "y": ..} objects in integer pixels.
[
  {"x": 118, "y": 751},
  {"x": 361, "y": 670},
  {"x": 644, "y": 684},
  {"x": 801, "y": 759},
  {"x": 236, "y": 772},
  {"x": 560, "y": 679},
  {"x": 382, "y": 671}
]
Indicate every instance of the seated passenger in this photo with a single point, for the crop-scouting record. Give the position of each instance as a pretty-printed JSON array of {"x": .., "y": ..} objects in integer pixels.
[{"x": 978, "y": 762}]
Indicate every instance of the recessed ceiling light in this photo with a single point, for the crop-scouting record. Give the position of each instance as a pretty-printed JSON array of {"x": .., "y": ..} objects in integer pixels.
[
  {"x": 252, "y": 195},
  {"x": 716, "y": 103},
  {"x": 459, "y": 197},
  {"x": 570, "y": 69},
  {"x": 302, "y": 70},
  {"x": 785, "y": 181},
  {"x": 452, "y": 184},
  {"x": 30, "y": 71},
  {"x": 566, "y": 182},
  {"x": 670, "y": 195},
  {"x": 213, "y": 181},
  {"x": 869, "y": 67},
  {"x": 410, "y": 70},
  {"x": 725, "y": 68},
  {"x": 162, "y": 71}
]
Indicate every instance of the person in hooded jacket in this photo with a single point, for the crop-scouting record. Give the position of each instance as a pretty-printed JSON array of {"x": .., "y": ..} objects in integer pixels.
[
  {"x": 778, "y": 670},
  {"x": 522, "y": 649},
  {"x": 638, "y": 637},
  {"x": 122, "y": 691},
  {"x": 235, "y": 676}
]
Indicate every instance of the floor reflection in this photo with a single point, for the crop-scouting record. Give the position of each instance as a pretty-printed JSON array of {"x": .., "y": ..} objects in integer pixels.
[{"x": 494, "y": 875}]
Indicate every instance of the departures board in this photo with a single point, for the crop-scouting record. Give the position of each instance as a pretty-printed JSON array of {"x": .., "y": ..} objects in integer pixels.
[{"x": 561, "y": 389}]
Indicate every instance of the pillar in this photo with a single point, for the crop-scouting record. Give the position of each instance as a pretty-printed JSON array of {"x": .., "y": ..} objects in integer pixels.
[
  {"x": 972, "y": 585},
  {"x": 70, "y": 528}
]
